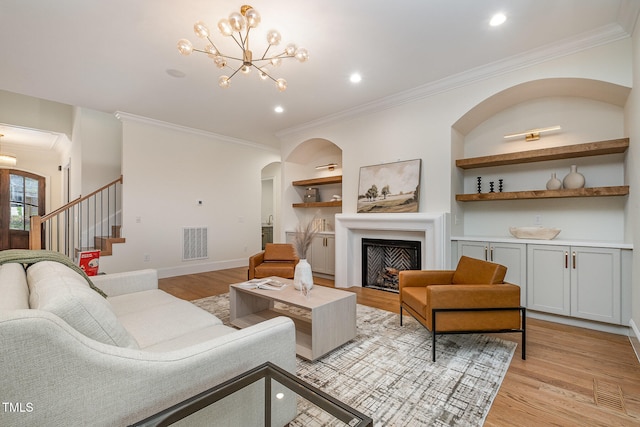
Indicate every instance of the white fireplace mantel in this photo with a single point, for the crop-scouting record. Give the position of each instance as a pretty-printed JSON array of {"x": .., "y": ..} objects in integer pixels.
[{"x": 431, "y": 229}]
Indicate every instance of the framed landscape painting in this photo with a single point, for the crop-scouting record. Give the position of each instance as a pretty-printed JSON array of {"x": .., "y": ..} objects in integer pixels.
[{"x": 390, "y": 187}]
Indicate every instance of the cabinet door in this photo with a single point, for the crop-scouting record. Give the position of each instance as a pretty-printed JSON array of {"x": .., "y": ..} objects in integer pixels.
[
  {"x": 514, "y": 257},
  {"x": 322, "y": 256},
  {"x": 330, "y": 250},
  {"x": 548, "y": 279},
  {"x": 478, "y": 250},
  {"x": 595, "y": 284}
]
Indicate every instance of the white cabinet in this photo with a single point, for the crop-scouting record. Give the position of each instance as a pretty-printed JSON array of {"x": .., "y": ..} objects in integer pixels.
[
  {"x": 511, "y": 255},
  {"x": 583, "y": 282},
  {"x": 321, "y": 254},
  {"x": 548, "y": 279}
]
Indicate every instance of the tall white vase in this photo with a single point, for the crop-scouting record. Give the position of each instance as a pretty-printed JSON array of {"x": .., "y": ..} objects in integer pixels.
[
  {"x": 302, "y": 276},
  {"x": 574, "y": 179}
]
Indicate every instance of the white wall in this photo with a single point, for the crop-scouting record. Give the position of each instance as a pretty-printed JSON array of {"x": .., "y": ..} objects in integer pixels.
[
  {"x": 166, "y": 170},
  {"x": 100, "y": 137},
  {"x": 632, "y": 112}
]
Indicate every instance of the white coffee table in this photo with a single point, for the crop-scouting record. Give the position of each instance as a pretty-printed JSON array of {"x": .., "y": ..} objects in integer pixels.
[{"x": 326, "y": 320}]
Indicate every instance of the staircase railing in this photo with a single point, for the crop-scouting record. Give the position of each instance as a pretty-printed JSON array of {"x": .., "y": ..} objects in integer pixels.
[{"x": 76, "y": 225}]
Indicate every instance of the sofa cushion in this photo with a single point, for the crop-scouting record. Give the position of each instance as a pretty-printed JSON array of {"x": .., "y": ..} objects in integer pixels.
[
  {"x": 63, "y": 292},
  {"x": 475, "y": 271},
  {"x": 191, "y": 338},
  {"x": 160, "y": 317},
  {"x": 13, "y": 285},
  {"x": 279, "y": 252}
]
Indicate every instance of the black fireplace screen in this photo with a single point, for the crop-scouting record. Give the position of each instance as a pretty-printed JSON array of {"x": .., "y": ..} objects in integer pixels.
[{"x": 383, "y": 259}]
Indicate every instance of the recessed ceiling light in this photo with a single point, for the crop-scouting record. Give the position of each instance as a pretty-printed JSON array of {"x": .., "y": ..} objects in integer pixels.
[
  {"x": 355, "y": 78},
  {"x": 497, "y": 19},
  {"x": 278, "y": 109}
]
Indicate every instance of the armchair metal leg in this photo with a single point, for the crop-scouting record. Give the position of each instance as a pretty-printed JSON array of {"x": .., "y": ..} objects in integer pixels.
[
  {"x": 522, "y": 330},
  {"x": 400, "y": 314}
]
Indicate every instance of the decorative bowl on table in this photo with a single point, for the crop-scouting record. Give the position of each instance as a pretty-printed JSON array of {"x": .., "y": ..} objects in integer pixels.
[{"x": 540, "y": 233}]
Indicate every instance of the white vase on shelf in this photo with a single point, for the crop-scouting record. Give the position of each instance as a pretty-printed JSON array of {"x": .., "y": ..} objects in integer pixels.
[
  {"x": 554, "y": 183},
  {"x": 574, "y": 179},
  {"x": 302, "y": 276}
]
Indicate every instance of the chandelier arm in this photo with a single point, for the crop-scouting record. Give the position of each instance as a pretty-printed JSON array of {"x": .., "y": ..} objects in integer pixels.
[
  {"x": 265, "y": 53},
  {"x": 229, "y": 57},
  {"x": 234, "y": 73},
  {"x": 213, "y": 44},
  {"x": 241, "y": 46}
]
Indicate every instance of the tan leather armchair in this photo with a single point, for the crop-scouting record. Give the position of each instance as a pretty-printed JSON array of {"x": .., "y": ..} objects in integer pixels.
[
  {"x": 473, "y": 298},
  {"x": 277, "y": 259}
]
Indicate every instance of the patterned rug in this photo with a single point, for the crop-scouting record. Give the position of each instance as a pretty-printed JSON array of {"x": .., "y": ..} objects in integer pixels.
[{"x": 386, "y": 372}]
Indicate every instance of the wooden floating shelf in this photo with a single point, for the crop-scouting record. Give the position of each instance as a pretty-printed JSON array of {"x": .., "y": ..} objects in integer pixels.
[
  {"x": 622, "y": 190},
  {"x": 337, "y": 203},
  {"x": 318, "y": 181},
  {"x": 613, "y": 146}
]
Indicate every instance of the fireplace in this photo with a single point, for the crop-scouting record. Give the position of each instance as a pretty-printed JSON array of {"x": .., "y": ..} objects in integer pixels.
[
  {"x": 430, "y": 228},
  {"x": 383, "y": 259}
]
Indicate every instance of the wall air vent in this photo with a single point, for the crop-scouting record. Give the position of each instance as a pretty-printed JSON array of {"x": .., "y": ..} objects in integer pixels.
[{"x": 194, "y": 243}]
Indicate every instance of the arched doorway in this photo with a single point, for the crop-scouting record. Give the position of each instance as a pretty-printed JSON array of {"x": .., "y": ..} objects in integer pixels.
[{"x": 22, "y": 195}]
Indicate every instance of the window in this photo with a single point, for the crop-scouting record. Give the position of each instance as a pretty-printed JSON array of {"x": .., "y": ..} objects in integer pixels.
[{"x": 23, "y": 195}]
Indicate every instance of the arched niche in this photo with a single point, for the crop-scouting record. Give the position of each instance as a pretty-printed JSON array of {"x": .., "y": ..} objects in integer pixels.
[
  {"x": 587, "y": 110},
  {"x": 302, "y": 164},
  {"x": 596, "y": 90},
  {"x": 316, "y": 152}
]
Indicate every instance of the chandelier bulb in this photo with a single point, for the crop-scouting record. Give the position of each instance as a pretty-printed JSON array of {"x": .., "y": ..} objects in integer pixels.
[
  {"x": 185, "y": 47},
  {"x": 225, "y": 27},
  {"x": 263, "y": 74},
  {"x": 220, "y": 61},
  {"x": 201, "y": 30},
  {"x": 281, "y": 84},
  {"x": 224, "y": 82},
  {"x": 252, "y": 16},
  {"x": 290, "y": 49},
  {"x": 211, "y": 51},
  {"x": 273, "y": 37},
  {"x": 275, "y": 61},
  {"x": 302, "y": 55},
  {"x": 237, "y": 22}
]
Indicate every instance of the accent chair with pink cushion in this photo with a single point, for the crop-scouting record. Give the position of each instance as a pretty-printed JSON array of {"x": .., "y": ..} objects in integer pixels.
[{"x": 277, "y": 259}]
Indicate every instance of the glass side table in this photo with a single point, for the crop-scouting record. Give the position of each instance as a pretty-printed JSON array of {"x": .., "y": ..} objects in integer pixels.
[{"x": 330, "y": 410}]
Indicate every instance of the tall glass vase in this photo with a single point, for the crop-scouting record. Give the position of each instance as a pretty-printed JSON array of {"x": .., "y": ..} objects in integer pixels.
[{"x": 303, "y": 278}]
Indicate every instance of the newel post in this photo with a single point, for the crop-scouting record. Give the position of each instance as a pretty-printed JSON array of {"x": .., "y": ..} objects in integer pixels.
[{"x": 35, "y": 233}]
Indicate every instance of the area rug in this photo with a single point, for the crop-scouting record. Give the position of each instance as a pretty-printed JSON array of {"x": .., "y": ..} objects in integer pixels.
[{"x": 386, "y": 372}]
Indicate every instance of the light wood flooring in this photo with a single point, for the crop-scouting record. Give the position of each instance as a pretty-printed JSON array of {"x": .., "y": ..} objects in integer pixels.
[{"x": 572, "y": 376}]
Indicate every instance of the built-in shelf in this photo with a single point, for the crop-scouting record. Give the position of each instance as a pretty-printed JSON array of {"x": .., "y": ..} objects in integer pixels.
[
  {"x": 600, "y": 148},
  {"x": 622, "y": 190},
  {"x": 318, "y": 181},
  {"x": 331, "y": 204},
  {"x": 337, "y": 179}
]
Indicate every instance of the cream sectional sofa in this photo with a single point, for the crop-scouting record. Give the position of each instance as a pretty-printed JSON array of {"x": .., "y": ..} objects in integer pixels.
[{"x": 71, "y": 357}]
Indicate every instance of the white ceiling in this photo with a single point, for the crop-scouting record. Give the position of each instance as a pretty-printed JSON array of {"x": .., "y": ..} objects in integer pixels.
[{"x": 113, "y": 55}]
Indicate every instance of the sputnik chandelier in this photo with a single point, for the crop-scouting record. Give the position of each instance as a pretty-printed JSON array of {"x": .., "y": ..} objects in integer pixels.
[{"x": 242, "y": 23}]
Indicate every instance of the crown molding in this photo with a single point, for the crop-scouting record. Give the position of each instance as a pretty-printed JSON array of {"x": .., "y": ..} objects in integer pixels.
[
  {"x": 628, "y": 15},
  {"x": 604, "y": 35},
  {"x": 123, "y": 116}
]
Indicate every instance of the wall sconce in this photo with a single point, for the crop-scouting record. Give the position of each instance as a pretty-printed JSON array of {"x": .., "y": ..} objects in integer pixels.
[
  {"x": 330, "y": 166},
  {"x": 532, "y": 134}
]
